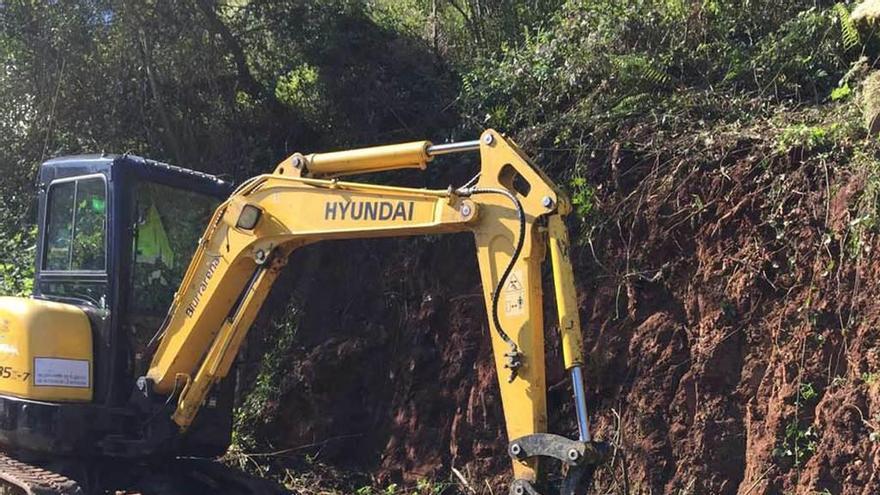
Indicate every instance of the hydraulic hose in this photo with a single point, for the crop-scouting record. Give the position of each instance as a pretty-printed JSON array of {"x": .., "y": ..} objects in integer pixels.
[{"x": 520, "y": 241}]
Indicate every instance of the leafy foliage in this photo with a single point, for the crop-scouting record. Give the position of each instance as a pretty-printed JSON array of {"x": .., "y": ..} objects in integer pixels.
[
  {"x": 598, "y": 62},
  {"x": 799, "y": 444},
  {"x": 17, "y": 267},
  {"x": 840, "y": 92},
  {"x": 258, "y": 408},
  {"x": 849, "y": 31}
]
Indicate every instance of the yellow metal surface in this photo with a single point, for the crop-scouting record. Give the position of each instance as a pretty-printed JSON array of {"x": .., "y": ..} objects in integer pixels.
[
  {"x": 221, "y": 355},
  {"x": 234, "y": 268},
  {"x": 295, "y": 212},
  {"x": 566, "y": 296},
  {"x": 45, "y": 351},
  {"x": 374, "y": 159},
  {"x": 520, "y": 310}
]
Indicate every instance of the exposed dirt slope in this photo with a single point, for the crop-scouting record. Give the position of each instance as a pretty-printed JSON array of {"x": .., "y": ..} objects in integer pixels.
[
  {"x": 736, "y": 318},
  {"x": 730, "y": 298},
  {"x": 391, "y": 371}
]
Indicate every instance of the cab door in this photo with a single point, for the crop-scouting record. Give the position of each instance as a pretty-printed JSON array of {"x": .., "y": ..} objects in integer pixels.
[{"x": 72, "y": 259}]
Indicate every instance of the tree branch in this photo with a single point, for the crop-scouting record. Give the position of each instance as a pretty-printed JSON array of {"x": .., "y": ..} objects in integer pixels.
[{"x": 247, "y": 80}]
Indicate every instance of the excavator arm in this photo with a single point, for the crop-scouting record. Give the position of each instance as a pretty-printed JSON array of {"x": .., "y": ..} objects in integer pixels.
[{"x": 514, "y": 211}]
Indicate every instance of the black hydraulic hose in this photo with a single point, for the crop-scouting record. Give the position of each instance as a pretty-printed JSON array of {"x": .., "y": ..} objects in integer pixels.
[{"x": 520, "y": 241}]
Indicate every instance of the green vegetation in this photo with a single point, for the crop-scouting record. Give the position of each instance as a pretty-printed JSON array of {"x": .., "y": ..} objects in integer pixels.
[
  {"x": 421, "y": 487},
  {"x": 257, "y": 409},
  {"x": 799, "y": 444},
  {"x": 17, "y": 265}
]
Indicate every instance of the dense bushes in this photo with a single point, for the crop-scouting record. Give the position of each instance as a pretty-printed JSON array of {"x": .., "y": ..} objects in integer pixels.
[{"x": 599, "y": 65}]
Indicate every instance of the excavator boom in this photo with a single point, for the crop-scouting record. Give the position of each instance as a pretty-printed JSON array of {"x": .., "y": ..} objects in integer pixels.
[{"x": 514, "y": 212}]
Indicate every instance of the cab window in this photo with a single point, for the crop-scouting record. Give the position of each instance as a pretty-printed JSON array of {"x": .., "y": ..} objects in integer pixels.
[
  {"x": 76, "y": 226},
  {"x": 168, "y": 224}
]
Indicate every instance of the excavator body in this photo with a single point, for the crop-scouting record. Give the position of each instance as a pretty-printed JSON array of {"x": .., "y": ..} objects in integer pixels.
[
  {"x": 148, "y": 277},
  {"x": 115, "y": 234}
]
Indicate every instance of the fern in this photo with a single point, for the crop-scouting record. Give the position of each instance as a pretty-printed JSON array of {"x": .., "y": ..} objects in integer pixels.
[
  {"x": 657, "y": 76},
  {"x": 848, "y": 30},
  {"x": 641, "y": 69}
]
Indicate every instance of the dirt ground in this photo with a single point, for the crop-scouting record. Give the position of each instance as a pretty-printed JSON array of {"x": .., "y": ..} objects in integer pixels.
[{"x": 729, "y": 303}]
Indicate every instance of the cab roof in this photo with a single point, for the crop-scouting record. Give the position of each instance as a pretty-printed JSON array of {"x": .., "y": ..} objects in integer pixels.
[{"x": 127, "y": 164}]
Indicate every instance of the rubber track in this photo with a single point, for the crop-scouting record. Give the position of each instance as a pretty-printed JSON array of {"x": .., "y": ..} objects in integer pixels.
[{"x": 34, "y": 480}]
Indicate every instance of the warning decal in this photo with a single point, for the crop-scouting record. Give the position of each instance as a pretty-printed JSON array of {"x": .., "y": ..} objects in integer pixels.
[
  {"x": 53, "y": 372},
  {"x": 514, "y": 294},
  {"x": 514, "y": 283}
]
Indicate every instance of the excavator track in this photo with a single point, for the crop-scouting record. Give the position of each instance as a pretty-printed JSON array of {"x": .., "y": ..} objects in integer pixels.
[
  {"x": 19, "y": 478},
  {"x": 183, "y": 476}
]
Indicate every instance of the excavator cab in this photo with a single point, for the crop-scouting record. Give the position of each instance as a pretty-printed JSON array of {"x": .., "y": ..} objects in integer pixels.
[{"x": 115, "y": 237}]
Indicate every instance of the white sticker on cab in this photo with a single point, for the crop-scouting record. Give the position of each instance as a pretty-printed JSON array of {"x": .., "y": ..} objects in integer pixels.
[{"x": 55, "y": 372}]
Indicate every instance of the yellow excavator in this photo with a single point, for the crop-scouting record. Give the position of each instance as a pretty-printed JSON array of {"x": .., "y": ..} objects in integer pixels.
[{"x": 122, "y": 356}]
